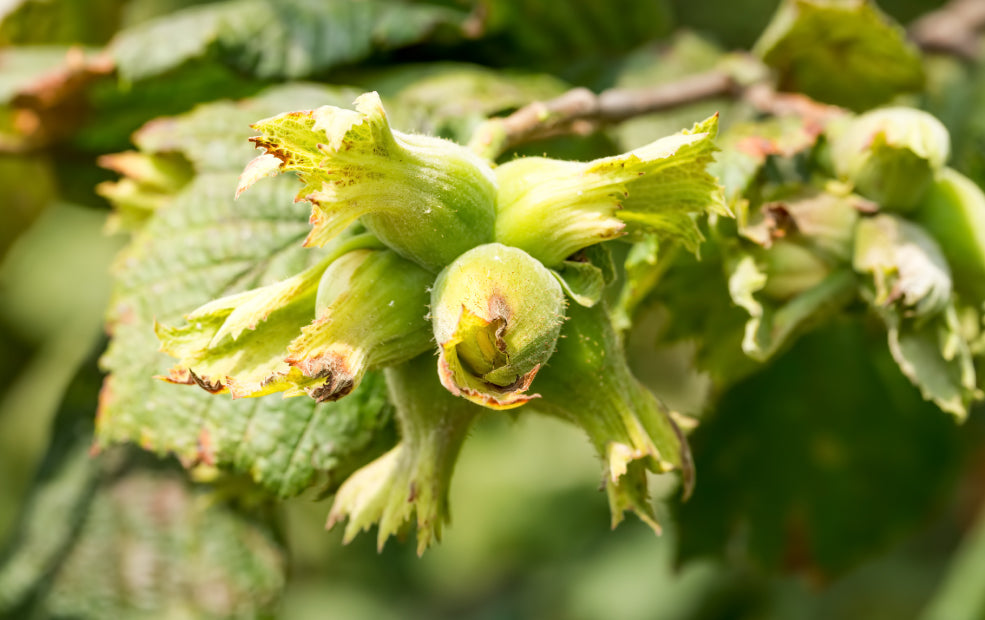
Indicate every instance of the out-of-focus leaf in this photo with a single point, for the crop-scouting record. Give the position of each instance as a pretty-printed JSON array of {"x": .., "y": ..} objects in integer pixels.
[
  {"x": 450, "y": 99},
  {"x": 137, "y": 11},
  {"x": 125, "y": 536},
  {"x": 960, "y": 597},
  {"x": 936, "y": 359},
  {"x": 152, "y": 546},
  {"x": 844, "y": 52},
  {"x": 822, "y": 459},
  {"x": 538, "y": 33},
  {"x": 201, "y": 246},
  {"x": 277, "y": 38},
  {"x": 60, "y": 495},
  {"x": 771, "y": 323},
  {"x": 911, "y": 290},
  {"x": 30, "y": 187},
  {"x": 735, "y": 24},
  {"x": 42, "y": 93},
  {"x": 696, "y": 294},
  {"x": 686, "y": 55},
  {"x": 745, "y": 148},
  {"x": 86, "y": 22}
]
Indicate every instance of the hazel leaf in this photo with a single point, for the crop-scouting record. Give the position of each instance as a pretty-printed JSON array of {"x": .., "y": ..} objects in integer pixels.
[
  {"x": 282, "y": 39},
  {"x": 845, "y": 52},
  {"x": 202, "y": 246}
]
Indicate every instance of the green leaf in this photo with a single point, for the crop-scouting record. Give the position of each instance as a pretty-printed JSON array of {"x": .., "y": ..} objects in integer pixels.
[
  {"x": 911, "y": 291},
  {"x": 202, "y": 246},
  {"x": 535, "y": 32},
  {"x": 69, "y": 22},
  {"x": 695, "y": 292},
  {"x": 935, "y": 357},
  {"x": 583, "y": 282},
  {"x": 844, "y": 52},
  {"x": 818, "y": 462},
  {"x": 90, "y": 519},
  {"x": 772, "y": 325},
  {"x": 277, "y": 38}
]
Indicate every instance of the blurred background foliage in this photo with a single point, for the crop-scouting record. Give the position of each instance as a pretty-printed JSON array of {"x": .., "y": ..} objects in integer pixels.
[{"x": 827, "y": 488}]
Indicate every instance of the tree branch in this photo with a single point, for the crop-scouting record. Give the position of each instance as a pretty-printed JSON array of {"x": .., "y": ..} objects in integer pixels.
[
  {"x": 953, "y": 29},
  {"x": 580, "y": 111}
]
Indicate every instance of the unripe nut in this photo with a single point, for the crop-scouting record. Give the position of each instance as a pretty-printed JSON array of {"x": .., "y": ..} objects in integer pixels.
[
  {"x": 891, "y": 155},
  {"x": 497, "y": 313}
]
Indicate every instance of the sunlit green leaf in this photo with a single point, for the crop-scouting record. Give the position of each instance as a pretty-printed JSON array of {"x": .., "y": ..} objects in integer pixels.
[
  {"x": 277, "y": 39},
  {"x": 844, "y": 52}
]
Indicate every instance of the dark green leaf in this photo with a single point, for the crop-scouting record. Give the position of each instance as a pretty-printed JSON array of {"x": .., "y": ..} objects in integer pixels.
[
  {"x": 819, "y": 461},
  {"x": 845, "y": 53},
  {"x": 277, "y": 38}
]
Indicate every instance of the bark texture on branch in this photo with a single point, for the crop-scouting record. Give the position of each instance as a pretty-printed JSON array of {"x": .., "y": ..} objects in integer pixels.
[{"x": 954, "y": 29}]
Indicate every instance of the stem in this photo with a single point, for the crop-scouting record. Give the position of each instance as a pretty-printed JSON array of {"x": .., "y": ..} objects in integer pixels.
[
  {"x": 953, "y": 29},
  {"x": 580, "y": 111}
]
